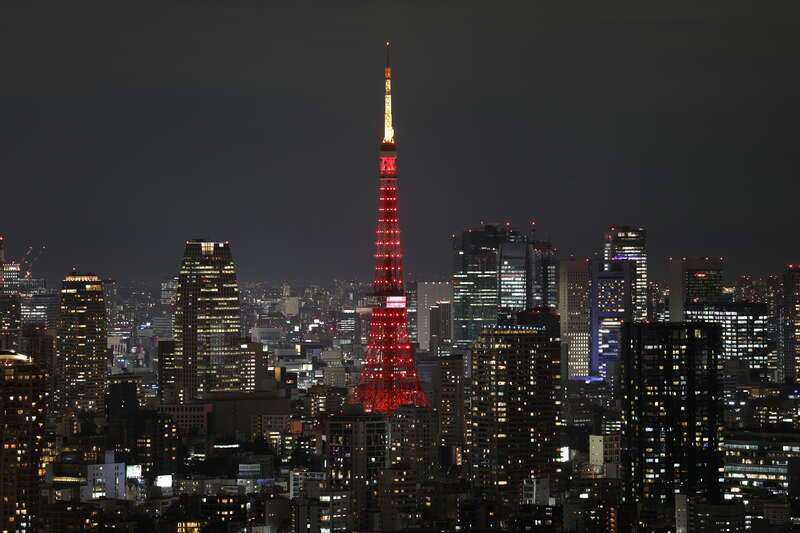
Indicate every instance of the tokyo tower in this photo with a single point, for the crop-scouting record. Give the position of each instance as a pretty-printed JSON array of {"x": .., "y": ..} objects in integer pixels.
[{"x": 388, "y": 375}]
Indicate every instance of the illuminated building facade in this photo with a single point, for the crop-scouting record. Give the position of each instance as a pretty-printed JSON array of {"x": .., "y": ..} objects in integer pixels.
[
  {"x": 81, "y": 345},
  {"x": 512, "y": 276},
  {"x": 611, "y": 304},
  {"x": 672, "y": 411},
  {"x": 475, "y": 279},
  {"x": 23, "y": 401},
  {"x": 624, "y": 243},
  {"x": 516, "y": 401},
  {"x": 573, "y": 303},
  {"x": 388, "y": 376},
  {"x": 791, "y": 322},
  {"x": 207, "y": 321},
  {"x": 758, "y": 467},
  {"x": 693, "y": 280},
  {"x": 745, "y": 335}
]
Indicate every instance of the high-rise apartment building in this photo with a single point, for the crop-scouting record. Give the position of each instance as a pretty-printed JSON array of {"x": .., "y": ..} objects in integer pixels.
[
  {"x": 476, "y": 299},
  {"x": 207, "y": 321},
  {"x": 694, "y": 280},
  {"x": 791, "y": 323},
  {"x": 672, "y": 412},
  {"x": 574, "y": 309},
  {"x": 81, "y": 350},
  {"x": 429, "y": 294},
  {"x": 516, "y": 400},
  {"x": 452, "y": 386},
  {"x": 23, "y": 411},
  {"x": 357, "y": 452},
  {"x": 625, "y": 243}
]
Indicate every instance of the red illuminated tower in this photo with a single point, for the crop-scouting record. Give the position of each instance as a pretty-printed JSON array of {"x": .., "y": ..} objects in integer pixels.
[{"x": 389, "y": 375}]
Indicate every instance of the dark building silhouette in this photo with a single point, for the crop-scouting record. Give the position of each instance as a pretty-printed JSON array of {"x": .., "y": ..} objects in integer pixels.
[
  {"x": 791, "y": 322},
  {"x": 672, "y": 413}
]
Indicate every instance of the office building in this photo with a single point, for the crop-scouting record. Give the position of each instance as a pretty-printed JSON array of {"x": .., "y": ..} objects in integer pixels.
[
  {"x": 207, "y": 321},
  {"x": 81, "y": 345},
  {"x": 512, "y": 276},
  {"x": 429, "y": 294},
  {"x": 694, "y": 280},
  {"x": 745, "y": 335},
  {"x": 624, "y": 243},
  {"x": 542, "y": 277},
  {"x": 475, "y": 279},
  {"x": 574, "y": 310},
  {"x": 611, "y": 304}
]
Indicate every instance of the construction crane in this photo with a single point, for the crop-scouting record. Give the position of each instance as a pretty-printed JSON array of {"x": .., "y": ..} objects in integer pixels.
[{"x": 29, "y": 259}]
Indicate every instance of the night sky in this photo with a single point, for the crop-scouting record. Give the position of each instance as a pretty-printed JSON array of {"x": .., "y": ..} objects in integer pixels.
[{"x": 127, "y": 129}]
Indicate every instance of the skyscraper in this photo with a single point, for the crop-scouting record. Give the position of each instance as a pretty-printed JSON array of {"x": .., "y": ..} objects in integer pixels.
[
  {"x": 694, "y": 280},
  {"x": 207, "y": 321},
  {"x": 611, "y": 304},
  {"x": 476, "y": 299},
  {"x": 574, "y": 310},
  {"x": 512, "y": 276},
  {"x": 23, "y": 402},
  {"x": 672, "y": 412},
  {"x": 627, "y": 243},
  {"x": 388, "y": 376},
  {"x": 791, "y": 323},
  {"x": 542, "y": 275},
  {"x": 81, "y": 356},
  {"x": 516, "y": 400}
]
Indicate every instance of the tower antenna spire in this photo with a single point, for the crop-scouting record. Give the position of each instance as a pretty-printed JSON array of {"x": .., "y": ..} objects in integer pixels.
[{"x": 388, "y": 128}]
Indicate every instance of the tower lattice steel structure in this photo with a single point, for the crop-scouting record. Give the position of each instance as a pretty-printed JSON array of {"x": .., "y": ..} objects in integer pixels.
[{"x": 388, "y": 376}]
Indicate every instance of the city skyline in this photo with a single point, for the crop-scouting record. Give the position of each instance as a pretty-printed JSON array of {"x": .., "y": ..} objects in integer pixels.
[
  {"x": 627, "y": 361},
  {"x": 549, "y": 106}
]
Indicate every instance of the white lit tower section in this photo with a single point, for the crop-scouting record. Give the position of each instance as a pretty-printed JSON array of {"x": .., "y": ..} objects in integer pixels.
[{"x": 625, "y": 243}]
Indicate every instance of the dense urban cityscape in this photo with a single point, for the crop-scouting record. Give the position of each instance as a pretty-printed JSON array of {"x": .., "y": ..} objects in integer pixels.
[{"x": 525, "y": 389}]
